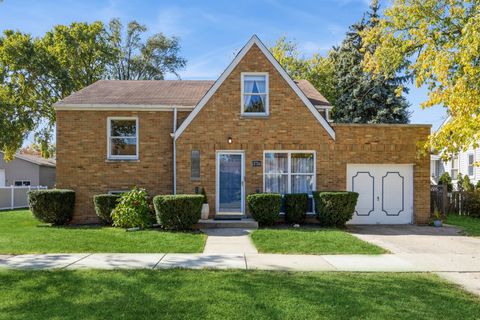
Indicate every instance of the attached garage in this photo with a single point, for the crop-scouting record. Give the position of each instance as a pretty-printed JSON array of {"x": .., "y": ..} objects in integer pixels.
[{"x": 385, "y": 193}]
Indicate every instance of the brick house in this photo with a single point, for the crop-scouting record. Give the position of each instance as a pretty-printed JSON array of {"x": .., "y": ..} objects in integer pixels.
[{"x": 252, "y": 130}]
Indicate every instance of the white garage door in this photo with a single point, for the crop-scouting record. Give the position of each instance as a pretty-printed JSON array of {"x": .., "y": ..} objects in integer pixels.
[{"x": 385, "y": 193}]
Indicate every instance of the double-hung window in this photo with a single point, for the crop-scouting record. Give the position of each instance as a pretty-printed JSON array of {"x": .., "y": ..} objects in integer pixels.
[
  {"x": 122, "y": 138},
  {"x": 254, "y": 94},
  {"x": 454, "y": 170},
  {"x": 289, "y": 172},
  {"x": 471, "y": 160}
]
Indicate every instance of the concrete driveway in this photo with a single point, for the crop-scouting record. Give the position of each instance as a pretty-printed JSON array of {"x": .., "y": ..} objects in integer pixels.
[{"x": 442, "y": 250}]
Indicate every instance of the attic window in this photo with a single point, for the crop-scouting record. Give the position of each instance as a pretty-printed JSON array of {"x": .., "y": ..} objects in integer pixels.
[{"x": 254, "y": 94}]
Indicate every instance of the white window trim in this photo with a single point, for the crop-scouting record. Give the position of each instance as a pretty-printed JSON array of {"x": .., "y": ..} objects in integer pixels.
[
  {"x": 290, "y": 174},
  {"x": 473, "y": 164},
  {"x": 267, "y": 94},
  {"x": 109, "y": 138},
  {"x": 22, "y": 181},
  {"x": 452, "y": 168}
]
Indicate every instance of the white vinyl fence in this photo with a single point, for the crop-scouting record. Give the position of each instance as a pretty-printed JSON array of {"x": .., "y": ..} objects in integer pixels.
[{"x": 16, "y": 197}]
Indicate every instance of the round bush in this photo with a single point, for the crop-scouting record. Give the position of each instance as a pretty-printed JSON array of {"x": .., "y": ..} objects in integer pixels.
[
  {"x": 180, "y": 212},
  {"x": 133, "y": 210},
  {"x": 335, "y": 208},
  {"x": 104, "y": 205},
  {"x": 264, "y": 207},
  {"x": 296, "y": 207},
  {"x": 53, "y": 206}
]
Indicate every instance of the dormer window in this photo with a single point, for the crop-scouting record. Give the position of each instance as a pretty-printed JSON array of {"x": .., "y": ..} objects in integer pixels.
[{"x": 254, "y": 94}]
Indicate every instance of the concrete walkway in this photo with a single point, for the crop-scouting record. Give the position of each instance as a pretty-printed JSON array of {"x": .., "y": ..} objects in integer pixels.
[
  {"x": 229, "y": 241},
  {"x": 363, "y": 263},
  {"x": 442, "y": 250}
]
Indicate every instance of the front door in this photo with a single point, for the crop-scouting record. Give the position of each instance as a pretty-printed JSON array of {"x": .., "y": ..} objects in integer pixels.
[{"x": 230, "y": 183}]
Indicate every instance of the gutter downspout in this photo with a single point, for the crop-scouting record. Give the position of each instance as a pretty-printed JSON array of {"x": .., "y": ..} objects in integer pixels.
[{"x": 174, "y": 150}]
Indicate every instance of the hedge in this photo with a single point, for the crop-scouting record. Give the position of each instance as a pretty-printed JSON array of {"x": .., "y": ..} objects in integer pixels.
[
  {"x": 296, "y": 207},
  {"x": 264, "y": 207},
  {"x": 104, "y": 205},
  {"x": 53, "y": 206},
  {"x": 335, "y": 208},
  {"x": 180, "y": 212}
]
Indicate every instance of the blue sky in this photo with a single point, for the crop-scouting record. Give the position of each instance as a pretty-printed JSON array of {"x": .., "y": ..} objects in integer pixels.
[{"x": 211, "y": 32}]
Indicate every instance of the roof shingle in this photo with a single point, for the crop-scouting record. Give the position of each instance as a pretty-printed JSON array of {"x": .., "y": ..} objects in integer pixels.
[{"x": 159, "y": 92}]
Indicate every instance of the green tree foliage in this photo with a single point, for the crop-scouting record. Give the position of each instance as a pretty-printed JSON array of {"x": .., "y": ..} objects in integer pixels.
[
  {"x": 363, "y": 98},
  {"x": 35, "y": 73},
  {"x": 446, "y": 180},
  {"x": 143, "y": 60},
  {"x": 318, "y": 70},
  {"x": 437, "y": 42}
]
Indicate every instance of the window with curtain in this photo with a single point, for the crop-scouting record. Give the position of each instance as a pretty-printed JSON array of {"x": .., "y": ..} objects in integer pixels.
[
  {"x": 195, "y": 157},
  {"x": 289, "y": 172},
  {"x": 254, "y": 94}
]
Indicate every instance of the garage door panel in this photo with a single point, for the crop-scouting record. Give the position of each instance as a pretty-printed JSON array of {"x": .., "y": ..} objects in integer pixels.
[
  {"x": 385, "y": 193},
  {"x": 393, "y": 193},
  {"x": 363, "y": 182}
]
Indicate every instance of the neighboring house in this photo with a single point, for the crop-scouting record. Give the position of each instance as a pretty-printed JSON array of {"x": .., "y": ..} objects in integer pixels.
[
  {"x": 27, "y": 170},
  {"x": 461, "y": 163},
  {"x": 252, "y": 130}
]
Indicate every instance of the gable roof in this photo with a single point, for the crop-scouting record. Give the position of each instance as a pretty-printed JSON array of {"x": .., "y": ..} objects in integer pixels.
[
  {"x": 140, "y": 92},
  {"x": 254, "y": 40},
  {"x": 38, "y": 160},
  {"x": 146, "y": 93}
]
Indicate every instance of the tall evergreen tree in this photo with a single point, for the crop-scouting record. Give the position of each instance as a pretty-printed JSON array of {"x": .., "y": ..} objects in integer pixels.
[{"x": 363, "y": 98}]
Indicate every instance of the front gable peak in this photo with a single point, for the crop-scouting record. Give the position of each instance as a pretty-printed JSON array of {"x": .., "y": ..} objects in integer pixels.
[{"x": 254, "y": 40}]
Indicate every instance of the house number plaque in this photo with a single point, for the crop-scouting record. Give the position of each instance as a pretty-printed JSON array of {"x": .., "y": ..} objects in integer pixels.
[{"x": 256, "y": 163}]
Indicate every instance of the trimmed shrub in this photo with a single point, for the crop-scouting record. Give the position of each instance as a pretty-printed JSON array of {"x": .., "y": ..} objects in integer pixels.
[
  {"x": 264, "y": 207},
  {"x": 180, "y": 212},
  {"x": 467, "y": 185},
  {"x": 296, "y": 207},
  {"x": 204, "y": 195},
  {"x": 335, "y": 208},
  {"x": 472, "y": 203},
  {"x": 104, "y": 205},
  {"x": 133, "y": 210},
  {"x": 53, "y": 206}
]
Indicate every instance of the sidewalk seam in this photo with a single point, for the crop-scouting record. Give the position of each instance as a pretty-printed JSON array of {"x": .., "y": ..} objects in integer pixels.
[
  {"x": 161, "y": 258},
  {"x": 68, "y": 265}
]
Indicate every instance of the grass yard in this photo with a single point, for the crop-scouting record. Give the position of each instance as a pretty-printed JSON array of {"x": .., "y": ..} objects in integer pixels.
[
  {"x": 200, "y": 294},
  {"x": 21, "y": 233},
  {"x": 471, "y": 226},
  {"x": 311, "y": 241}
]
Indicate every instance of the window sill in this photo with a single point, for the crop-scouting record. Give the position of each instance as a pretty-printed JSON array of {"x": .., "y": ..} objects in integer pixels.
[
  {"x": 195, "y": 179},
  {"x": 250, "y": 116},
  {"x": 122, "y": 160}
]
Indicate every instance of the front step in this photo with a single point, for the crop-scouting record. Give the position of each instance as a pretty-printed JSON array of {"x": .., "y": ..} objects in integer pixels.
[{"x": 243, "y": 223}]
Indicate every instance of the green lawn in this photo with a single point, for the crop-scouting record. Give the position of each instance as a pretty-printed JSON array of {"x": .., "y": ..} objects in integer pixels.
[
  {"x": 311, "y": 241},
  {"x": 197, "y": 294},
  {"x": 21, "y": 233},
  {"x": 471, "y": 226}
]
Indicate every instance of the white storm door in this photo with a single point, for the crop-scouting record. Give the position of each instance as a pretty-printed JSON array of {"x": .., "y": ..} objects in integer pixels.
[{"x": 230, "y": 183}]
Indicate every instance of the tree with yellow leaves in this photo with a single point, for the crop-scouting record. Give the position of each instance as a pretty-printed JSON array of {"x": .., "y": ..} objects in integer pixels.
[{"x": 438, "y": 42}]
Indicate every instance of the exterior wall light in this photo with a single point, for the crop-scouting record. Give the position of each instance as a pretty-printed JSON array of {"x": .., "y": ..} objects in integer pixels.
[{"x": 230, "y": 140}]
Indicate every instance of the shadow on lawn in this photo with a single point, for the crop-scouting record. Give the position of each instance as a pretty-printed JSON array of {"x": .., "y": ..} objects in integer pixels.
[{"x": 182, "y": 294}]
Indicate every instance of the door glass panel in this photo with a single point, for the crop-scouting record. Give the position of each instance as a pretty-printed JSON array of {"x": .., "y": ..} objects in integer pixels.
[{"x": 230, "y": 176}]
